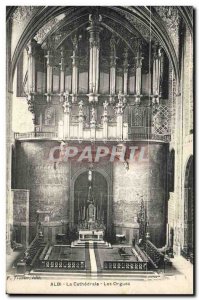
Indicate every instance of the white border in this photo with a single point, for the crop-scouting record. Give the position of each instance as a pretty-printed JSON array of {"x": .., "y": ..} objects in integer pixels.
[{"x": 3, "y": 97}]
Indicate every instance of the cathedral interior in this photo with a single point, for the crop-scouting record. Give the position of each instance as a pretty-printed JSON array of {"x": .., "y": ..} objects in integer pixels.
[{"x": 99, "y": 137}]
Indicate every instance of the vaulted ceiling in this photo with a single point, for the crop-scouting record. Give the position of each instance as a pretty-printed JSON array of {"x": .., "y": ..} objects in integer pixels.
[{"x": 57, "y": 23}]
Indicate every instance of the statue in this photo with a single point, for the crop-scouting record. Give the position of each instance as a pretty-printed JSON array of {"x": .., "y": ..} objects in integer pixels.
[
  {"x": 91, "y": 213},
  {"x": 91, "y": 218},
  {"x": 91, "y": 209},
  {"x": 105, "y": 104},
  {"x": 142, "y": 220},
  {"x": 93, "y": 114}
]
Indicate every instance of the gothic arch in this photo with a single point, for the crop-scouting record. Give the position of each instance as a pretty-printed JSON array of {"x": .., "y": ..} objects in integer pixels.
[
  {"x": 109, "y": 196},
  {"x": 144, "y": 15}
]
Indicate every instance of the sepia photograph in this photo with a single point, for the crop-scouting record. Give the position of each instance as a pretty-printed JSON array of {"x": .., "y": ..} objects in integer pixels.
[{"x": 100, "y": 150}]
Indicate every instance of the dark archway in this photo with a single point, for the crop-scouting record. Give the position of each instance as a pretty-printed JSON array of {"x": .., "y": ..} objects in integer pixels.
[
  {"x": 188, "y": 248},
  {"x": 100, "y": 193}
]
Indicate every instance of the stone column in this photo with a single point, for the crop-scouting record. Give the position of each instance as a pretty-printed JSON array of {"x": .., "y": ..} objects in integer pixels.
[
  {"x": 157, "y": 58},
  {"x": 113, "y": 59},
  {"x": 162, "y": 62},
  {"x": 94, "y": 45},
  {"x": 125, "y": 65},
  {"x": 49, "y": 76},
  {"x": 62, "y": 75},
  {"x": 31, "y": 77},
  {"x": 74, "y": 69},
  {"x": 67, "y": 109},
  {"x": 31, "y": 66},
  {"x": 9, "y": 139},
  {"x": 138, "y": 76}
]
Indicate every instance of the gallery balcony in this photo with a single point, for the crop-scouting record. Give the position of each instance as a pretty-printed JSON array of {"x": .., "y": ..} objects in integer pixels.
[{"x": 95, "y": 134}]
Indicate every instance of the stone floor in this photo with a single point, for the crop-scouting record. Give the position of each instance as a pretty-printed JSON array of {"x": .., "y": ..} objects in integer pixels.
[
  {"x": 67, "y": 253},
  {"x": 181, "y": 270}
]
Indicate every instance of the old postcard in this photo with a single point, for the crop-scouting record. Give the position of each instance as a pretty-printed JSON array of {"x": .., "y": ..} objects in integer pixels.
[{"x": 100, "y": 193}]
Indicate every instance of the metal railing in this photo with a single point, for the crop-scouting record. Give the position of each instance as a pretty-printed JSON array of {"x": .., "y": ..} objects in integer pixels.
[
  {"x": 63, "y": 264},
  {"x": 124, "y": 266},
  {"x": 149, "y": 136},
  {"x": 132, "y": 136},
  {"x": 33, "y": 135}
]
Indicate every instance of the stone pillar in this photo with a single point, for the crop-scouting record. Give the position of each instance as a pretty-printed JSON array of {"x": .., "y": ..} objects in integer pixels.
[
  {"x": 31, "y": 66},
  {"x": 157, "y": 59},
  {"x": 74, "y": 69},
  {"x": 138, "y": 75},
  {"x": 113, "y": 59},
  {"x": 31, "y": 77},
  {"x": 81, "y": 120},
  {"x": 162, "y": 62},
  {"x": 9, "y": 138},
  {"x": 94, "y": 46},
  {"x": 49, "y": 76},
  {"x": 62, "y": 76},
  {"x": 67, "y": 109},
  {"x": 125, "y": 65}
]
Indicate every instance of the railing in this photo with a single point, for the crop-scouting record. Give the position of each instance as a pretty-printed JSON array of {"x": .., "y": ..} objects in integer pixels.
[
  {"x": 33, "y": 135},
  {"x": 46, "y": 128},
  {"x": 69, "y": 265},
  {"x": 124, "y": 266},
  {"x": 154, "y": 254},
  {"x": 149, "y": 136},
  {"x": 32, "y": 250},
  {"x": 54, "y": 135},
  {"x": 141, "y": 253}
]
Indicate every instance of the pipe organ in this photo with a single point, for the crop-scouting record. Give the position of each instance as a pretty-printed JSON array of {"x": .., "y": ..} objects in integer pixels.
[{"x": 97, "y": 74}]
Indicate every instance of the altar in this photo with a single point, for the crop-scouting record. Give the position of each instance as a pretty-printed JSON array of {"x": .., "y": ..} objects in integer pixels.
[
  {"x": 91, "y": 220},
  {"x": 91, "y": 235}
]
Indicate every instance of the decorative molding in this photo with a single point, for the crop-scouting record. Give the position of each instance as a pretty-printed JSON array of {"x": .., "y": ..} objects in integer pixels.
[
  {"x": 24, "y": 13},
  {"x": 42, "y": 32}
]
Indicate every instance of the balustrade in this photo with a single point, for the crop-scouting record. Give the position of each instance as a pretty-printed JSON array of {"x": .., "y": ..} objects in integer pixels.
[
  {"x": 58, "y": 264},
  {"x": 124, "y": 266},
  {"x": 155, "y": 255}
]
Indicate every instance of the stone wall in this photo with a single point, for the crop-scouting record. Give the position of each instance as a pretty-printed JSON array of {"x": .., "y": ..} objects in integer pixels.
[
  {"x": 48, "y": 182},
  {"x": 147, "y": 179},
  {"x": 20, "y": 216},
  {"x": 182, "y": 141},
  {"x": 50, "y": 188}
]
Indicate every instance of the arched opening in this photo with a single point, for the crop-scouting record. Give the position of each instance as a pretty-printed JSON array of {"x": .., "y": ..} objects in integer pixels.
[
  {"x": 100, "y": 197},
  {"x": 188, "y": 247}
]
